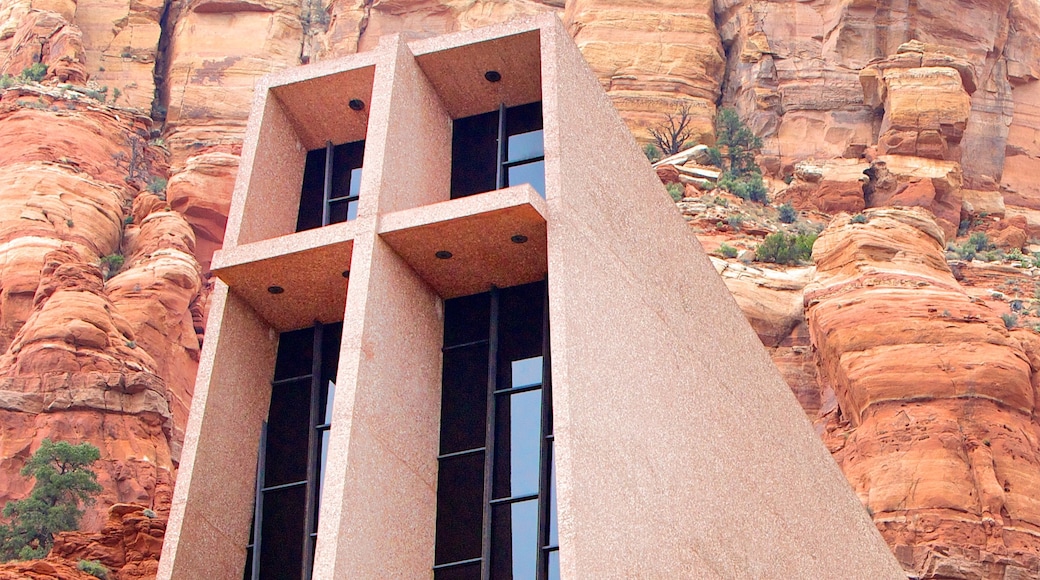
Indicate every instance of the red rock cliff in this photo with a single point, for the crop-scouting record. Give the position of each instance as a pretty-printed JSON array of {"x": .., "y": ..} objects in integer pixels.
[{"x": 924, "y": 396}]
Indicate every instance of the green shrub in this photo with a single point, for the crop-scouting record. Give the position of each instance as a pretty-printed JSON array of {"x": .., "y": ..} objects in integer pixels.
[
  {"x": 979, "y": 241},
  {"x": 1010, "y": 320},
  {"x": 112, "y": 264},
  {"x": 858, "y": 219},
  {"x": 34, "y": 72},
  {"x": 157, "y": 185},
  {"x": 750, "y": 186},
  {"x": 6, "y": 81},
  {"x": 63, "y": 481},
  {"x": 677, "y": 191},
  {"x": 94, "y": 568},
  {"x": 735, "y": 221},
  {"x": 788, "y": 214},
  {"x": 735, "y": 144},
  {"x": 783, "y": 248},
  {"x": 727, "y": 251},
  {"x": 653, "y": 154}
]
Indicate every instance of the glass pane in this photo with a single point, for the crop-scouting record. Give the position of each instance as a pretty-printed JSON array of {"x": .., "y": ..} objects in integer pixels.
[
  {"x": 331, "y": 334},
  {"x": 514, "y": 540},
  {"x": 321, "y": 476},
  {"x": 330, "y": 398},
  {"x": 518, "y": 426},
  {"x": 554, "y": 565},
  {"x": 527, "y": 372},
  {"x": 467, "y": 319},
  {"x": 295, "y": 352},
  {"x": 464, "y": 398},
  {"x": 347, "y": 158},
  {"x": 533, "y": 173},
  {"x": 554, "y": 533},
  {"x": 474, "y": 154},
  {"x": 524, "y": 146},
  {"x": 467, "y": 572},
  {"x": 460, "y": 502},
  {"x": 288, "y": 432},
  {"x": 247, "y": 574},
  {"x": 281, "y": 545},
  {"x": 342, "y": 210},
  {"x": 355, "y": 182},
  {"x": 313, "y": 191}
]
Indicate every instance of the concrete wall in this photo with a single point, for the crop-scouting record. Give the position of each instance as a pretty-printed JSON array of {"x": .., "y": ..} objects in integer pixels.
[
  {"x": 681, "y": 452},
  {"x": 213, "y": 500}
]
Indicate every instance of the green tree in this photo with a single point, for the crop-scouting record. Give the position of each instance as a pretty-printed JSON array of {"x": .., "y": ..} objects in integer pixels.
[
  {"x": 734, "y": 153},
  {"x": 63, "y": 481}
]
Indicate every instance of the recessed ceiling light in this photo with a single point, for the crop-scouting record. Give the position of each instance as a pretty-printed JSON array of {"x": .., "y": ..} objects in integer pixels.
[
  {"x": 356, "y": 104},
  {"x": 493, "y": 76},
  {"x": 518, "y": 239},
  {"x": 443, "y": 254},
  {"x": 275, "y": 289}
]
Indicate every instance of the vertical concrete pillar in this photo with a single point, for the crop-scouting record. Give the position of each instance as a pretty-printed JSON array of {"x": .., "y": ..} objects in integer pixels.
[
  {"x": 208, "y": 534},
  {"x": 378, "y": 509},
  {"x": 681, "y": 452}
]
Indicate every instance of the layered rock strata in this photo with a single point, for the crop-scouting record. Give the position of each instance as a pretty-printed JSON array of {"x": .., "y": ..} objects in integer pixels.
[{"x": 934, "y": 416}]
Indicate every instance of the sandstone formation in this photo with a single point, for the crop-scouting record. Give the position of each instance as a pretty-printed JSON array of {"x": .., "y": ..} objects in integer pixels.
[
  {"x": 935, "y": 399},
  {"x": 653, "y": 59},
  {"x": 89, "y": 354},
  {"x": 919, "y": 388}
]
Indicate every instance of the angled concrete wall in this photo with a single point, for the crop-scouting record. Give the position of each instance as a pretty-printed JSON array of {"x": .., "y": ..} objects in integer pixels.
[{"x": 681, "y": 452}]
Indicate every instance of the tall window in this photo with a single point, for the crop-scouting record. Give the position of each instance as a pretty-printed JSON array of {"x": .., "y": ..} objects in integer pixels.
[
  {"x": 331, "y": 182},
  {"x": 496, "y": 496},
  {"x": 498, "y": 149},
  {"x": 293, "y": 449}
]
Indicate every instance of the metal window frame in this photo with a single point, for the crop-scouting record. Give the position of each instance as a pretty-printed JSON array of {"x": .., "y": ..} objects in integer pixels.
[
  {"x": 316, "y": 422},
  {"x": 489, "y": 448}
]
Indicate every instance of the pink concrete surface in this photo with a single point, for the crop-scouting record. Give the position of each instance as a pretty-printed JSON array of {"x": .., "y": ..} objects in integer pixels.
[
  {"x": 681, "y": 452},
  {"x": 405, "y": 164},
  {"x": 478, "y": 231},
  {"x": 272, "y": 173},
  {"x": 378, "y": 512},
  {"x": 455, "y": 64},
  {"x": 213, "y": 499},
  {"x": 319, "y": 106},
  {"x": 309, "y": 266}
]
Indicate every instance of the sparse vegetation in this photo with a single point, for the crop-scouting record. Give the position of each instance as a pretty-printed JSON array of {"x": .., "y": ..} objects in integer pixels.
[
  {"x": 783, "y": 248},
  {"x": 735, "y": 222},
  {"x": 652, "y": 152},
  {"x": 677, "y": 191},
  {"x": 63, "y": 482},
  {"x": 671, "y": 135},
  {"x": 977, "y": 243},
  {"x": 6, "y": 81},
  {"x": 157, "y": 185},
  {"x": 787, "y": 213},
  {"x": 727, "y": 251},
  {"x": 112, "y": 264},
  {"x": 34, "y": 72},
  {"x": 734, "y": 153},
  {"x": 94, "y": 568},
  {"x": 858, "y": 219},
  {"x": 1010, "y": 320}
]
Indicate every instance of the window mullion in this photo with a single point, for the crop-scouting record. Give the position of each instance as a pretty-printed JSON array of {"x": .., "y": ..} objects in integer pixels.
[
  {"x": 500, "y": 173},
  {"x": 489, "y": 435},
  {"x": 544, "y": 471},
  {"x": 327, "y": 190},
  {"x": 258, "y": 502},
  {"x": 312, "y": 450}
]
